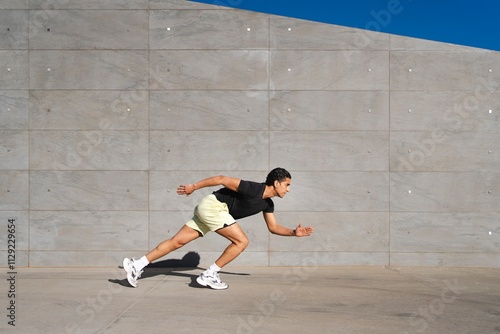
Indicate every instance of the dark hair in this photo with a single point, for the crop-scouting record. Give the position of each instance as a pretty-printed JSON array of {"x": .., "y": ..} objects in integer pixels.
[{"x": 277, "y": 174}]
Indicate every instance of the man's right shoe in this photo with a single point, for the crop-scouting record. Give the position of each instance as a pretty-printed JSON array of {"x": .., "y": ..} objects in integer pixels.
[
  {"x": 132, "y": 273},
  {"x": 211, "y": 281}
]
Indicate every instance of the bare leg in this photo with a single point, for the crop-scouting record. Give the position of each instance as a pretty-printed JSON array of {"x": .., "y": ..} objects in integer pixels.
[
  {"x": 185, "y": 235},
  {"x": 239, "y": 242}
]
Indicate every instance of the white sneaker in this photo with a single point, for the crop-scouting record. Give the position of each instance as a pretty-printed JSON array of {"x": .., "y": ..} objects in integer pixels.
[
  {"x": 132, "y": 273},
  {"x": 212, "y": 281}
]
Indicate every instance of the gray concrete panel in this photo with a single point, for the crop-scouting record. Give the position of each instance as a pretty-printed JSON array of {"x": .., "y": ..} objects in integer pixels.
[
  {"x": 14, "y": 69},
  {"x": 209, "y": 110},
  {"x": 329, "y": 110},
  {"x": 88, "y": 4},
  {"x": 88, "y": 69},
  {"x": 321, "y": 258},
  {"x": 403, "y": 43},
  {"x": 88, "y": 190},
  {"x": 9, "y": 4},
  {"x": 163, "y": 195},
  {"x": 444, "y": 151},
  {"x": 14, "y": 194},
  {"x": 89, "y": 150},
  {"x": 449, "y": 111},
  {"x": 14, "y": 109},
  {"x": 438, "y": 70},
  {"x": 182, "y": 4},
  {"x": 336, "y": 232},
  {"x": 14, "y": 150},
  {"x": 293, "y": 34},
  {"x": 78, "y": 258},
  {"x": 88, "y": 230},
  {"x": 219, "y": 150},
  {"x": 208, "y": 29},
  {"x": 18, "y": 4},
  {"x": 88, "y": 110},
  {"x": 337, "y": 191},
  {"x": 464, "y": 232},
  {"x": 329, "y": 70},
  {"x": 445, "y": 192},
  {"x": 14, "y": 25},
  {"x": 209, "y": 69},
  {"x": 474, "y": 260},
  {"x": 90, "y": 29},
  {"x": 330, "y": 150}
]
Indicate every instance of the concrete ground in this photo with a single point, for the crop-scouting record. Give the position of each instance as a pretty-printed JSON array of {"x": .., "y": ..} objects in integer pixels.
[{"x": 259, "y": 300}]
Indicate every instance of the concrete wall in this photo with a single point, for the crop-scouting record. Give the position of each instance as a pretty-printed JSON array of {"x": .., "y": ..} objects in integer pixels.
[{"x": 107, "y": 106}]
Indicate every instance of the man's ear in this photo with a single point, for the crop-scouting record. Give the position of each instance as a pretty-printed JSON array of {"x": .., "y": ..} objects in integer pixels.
[{"x": 276, "y": 182}]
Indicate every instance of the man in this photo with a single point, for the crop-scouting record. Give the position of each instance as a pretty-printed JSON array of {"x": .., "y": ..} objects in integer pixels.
[{"x": 218, "y": 212}]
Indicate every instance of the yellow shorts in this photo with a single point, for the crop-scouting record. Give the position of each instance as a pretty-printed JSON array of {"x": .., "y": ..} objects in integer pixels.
[{"x": 210, "y": 215}]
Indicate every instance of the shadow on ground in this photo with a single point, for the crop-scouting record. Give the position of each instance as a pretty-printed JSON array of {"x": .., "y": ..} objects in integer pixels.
[{"x": 173, "y": 267}]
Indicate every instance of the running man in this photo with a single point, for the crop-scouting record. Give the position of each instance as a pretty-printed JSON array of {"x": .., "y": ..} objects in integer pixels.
[{"x": 218, "y": 212}]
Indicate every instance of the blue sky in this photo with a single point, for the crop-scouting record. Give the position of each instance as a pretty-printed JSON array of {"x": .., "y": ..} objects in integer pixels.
[{"x": 465, "y": 22}]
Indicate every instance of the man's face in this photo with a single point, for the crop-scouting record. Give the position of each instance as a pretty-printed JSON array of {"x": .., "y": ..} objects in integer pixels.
[{"x": 282, "y": 187}]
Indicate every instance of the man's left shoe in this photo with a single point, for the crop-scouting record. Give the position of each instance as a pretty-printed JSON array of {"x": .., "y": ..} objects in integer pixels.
[
  {"x": 132, "y": 273},
  {"x": 213, "y": 282}
]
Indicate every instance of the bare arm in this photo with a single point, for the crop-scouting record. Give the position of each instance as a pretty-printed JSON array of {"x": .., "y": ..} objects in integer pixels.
[
  {"x": 277, "y": 229},
  {"x": 220, "y": 180}
]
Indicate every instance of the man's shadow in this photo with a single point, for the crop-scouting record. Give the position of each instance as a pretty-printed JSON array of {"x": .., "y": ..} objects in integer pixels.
[{"x": 173, "y": 267}]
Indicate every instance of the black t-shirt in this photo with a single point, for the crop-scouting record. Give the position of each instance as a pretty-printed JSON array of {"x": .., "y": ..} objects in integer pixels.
[{"x": 247, "y": 201}]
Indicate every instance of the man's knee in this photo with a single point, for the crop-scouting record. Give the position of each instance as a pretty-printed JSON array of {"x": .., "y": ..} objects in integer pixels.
[
  {"x": 242, "y": 243},
  {"x": 178, "y": 243}
]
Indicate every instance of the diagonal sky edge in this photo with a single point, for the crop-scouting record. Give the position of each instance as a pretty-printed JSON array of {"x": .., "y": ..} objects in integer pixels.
[{"x": 472, "y": 23}]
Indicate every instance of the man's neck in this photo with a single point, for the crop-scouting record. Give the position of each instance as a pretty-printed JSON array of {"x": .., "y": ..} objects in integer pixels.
[{"x": 269, "y": 192}]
